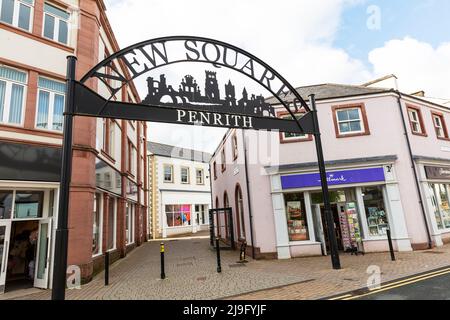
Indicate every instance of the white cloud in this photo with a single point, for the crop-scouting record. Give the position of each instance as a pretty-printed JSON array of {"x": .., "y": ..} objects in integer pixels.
[{"x": 417, "y": 64}]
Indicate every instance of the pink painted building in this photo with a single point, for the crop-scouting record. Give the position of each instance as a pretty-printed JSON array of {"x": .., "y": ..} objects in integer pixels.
[{"x": 388, "y": 165}]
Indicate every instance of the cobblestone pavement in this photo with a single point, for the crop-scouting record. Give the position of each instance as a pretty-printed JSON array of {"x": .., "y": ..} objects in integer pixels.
[{"x": 191, "y": 274}]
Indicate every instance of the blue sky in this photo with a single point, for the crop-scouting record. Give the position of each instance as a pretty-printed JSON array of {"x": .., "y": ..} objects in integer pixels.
[{"x": 424, "y": 20}]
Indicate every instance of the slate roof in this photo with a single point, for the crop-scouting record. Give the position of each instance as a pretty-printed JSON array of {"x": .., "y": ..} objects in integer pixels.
[
  {"x": 330, "y": 90},
  {"x": 166, "y": 150}
]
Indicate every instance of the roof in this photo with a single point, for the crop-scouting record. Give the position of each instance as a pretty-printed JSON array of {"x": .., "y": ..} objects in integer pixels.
[
  {"x": 330, "y": 90},
  {"x": 166, "y": 150}
]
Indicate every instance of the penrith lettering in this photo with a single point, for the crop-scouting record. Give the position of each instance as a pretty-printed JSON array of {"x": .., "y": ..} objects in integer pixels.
[{"x": 214, "y": 119}]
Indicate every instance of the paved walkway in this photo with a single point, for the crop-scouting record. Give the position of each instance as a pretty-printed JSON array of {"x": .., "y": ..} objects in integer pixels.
[{"x": 191, "y": 274}]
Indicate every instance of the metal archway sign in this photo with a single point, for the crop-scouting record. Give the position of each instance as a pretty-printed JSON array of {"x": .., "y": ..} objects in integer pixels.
[{"x": 187, "y": 105}]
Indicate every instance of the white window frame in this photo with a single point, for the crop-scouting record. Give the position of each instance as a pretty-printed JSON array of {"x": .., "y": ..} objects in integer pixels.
[
  {"x": 56, "y": 26},
  {"x": 7, "y": 101},
  {"x": 202, "y": 176},
  {"x": 114, "y": 225},
  {"x": 439, "y": 127},
  {"x": 15, "y": 22},
  {"x": 413, "y": 113},
  {"x": 438, "y": 199},
  {"x": 50, "y": 107},
  {"x": 187, "y": 175},
  {"x": 171, "y": 173},
  {"x": 297, "y": 136},
  {"x": 360, "y": 120},
  {"x": 131, "y": 221},
  {"x": 100, "y": 226}
]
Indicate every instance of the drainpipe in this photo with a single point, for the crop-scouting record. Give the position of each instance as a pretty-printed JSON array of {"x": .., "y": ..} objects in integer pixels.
[
  {"x": 248, "y": 195},
  {"x": 413, "y": 167}
]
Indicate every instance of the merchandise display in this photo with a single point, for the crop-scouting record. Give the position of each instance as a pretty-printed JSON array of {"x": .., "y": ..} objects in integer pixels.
[{"x": 297, "y": 228}]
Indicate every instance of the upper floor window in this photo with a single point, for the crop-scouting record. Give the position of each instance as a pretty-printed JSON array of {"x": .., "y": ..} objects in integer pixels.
[
  {"x": 416, "y": 121},
  {"x": 168, "y": 173},
  {"x": 56, "y": 24},
  {"x": 17, "y": 13},
  {"x": 223, "y": 159},
  {"x": 108, "y": 137},
  {"x": 350, "y": 121},
  {"x": 184, "y": 175},
  {"x": 287, "y": 137},
  {"x": 132, "y": 158},
  {"x": 215, "y": 170},
  {"x": 50, "y": 104},
  {"x": 439, "y": 125},
  {"x": 199, "y": 176},
  {"x": 235, "y": 146},
  {"x": 12, "y": 95}
]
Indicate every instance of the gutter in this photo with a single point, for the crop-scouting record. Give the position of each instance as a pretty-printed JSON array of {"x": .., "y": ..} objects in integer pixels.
[{"x": 413, "y": 167}]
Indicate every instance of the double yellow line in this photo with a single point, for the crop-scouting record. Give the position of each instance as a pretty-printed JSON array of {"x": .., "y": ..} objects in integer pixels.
[{"x": 395, "y": 284}]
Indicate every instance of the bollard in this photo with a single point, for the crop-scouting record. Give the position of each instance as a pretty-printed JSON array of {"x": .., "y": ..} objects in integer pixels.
[
  {"x": 391, "y": 248},
  {"x": 242, "y": 252},
  {"x": 219, "y": 268},
  {"x": 163, "y": 274},
  {"x": 106, "y": 268}
]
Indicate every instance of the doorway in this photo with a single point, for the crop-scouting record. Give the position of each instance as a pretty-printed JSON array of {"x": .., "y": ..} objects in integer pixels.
[{"x": 336, "y": 226}]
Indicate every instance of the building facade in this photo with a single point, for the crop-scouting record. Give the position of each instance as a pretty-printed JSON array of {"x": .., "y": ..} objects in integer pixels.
[
  {"x": 108, "y": 193},
  {"x": 180, "y": 190},
  {"x": 387, "y": 159}
]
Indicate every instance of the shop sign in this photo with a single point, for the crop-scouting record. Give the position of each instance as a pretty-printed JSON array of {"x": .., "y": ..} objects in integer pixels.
[
  {"x": 333, "y": 178},
  {"x": 437, "y": 173}
]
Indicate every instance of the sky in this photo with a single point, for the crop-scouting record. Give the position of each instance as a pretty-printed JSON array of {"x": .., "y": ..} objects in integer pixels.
[{"x": 306, "y": 41}]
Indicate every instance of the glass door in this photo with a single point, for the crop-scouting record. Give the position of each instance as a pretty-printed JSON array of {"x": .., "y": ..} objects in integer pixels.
[
  {"x": 318, "y": 227},
  {"x": 5, "y": 230},
  {"x": 43, "y": 254}
]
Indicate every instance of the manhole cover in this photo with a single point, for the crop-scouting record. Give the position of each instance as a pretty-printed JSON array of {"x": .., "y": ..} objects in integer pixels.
[
  {"x": 236, "y": 265},
  {"x": 185, "y": 264}
]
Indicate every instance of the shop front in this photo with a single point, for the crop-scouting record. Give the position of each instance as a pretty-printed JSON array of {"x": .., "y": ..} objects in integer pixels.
[{"x": 363, "y": 206}]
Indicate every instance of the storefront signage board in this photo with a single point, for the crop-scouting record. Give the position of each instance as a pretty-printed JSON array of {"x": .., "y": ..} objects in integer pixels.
[{"x": 437, "y": 173}]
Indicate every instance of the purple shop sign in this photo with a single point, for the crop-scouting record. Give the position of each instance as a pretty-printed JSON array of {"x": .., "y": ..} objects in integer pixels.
[{"x": 333, "y": 178}]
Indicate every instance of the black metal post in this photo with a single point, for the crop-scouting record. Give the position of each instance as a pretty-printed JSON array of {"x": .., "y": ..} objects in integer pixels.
[
  {"x": 163, "y": 273},
  {"x": 219, "y": 267},
  {"x": 391, "y": 247},
  {"x": 106, "y": 268},
  {"x": 62, "y": 232},
  {"x": 326, "y": 197}
]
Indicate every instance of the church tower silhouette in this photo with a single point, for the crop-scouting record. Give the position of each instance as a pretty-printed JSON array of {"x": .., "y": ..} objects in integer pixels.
[{"x": 211, "y": 87}]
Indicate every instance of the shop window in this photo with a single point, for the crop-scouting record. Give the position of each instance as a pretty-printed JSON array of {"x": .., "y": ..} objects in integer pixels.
[
  {"x": 112, "y": 222},
  {"x": 17, "y": 13},
  {"x": 28, "y": 204},
  {"x": 50, "y": 104},
  {"x": 168, "y": 173},
  {"x": 97, "y": 225},
  {"x": 129, "y": 223},
  {"x": 442, "y": 209},
  {"x": 297, "y": 222},
  {"x": 440, "y": 126},
  {"x": 56, "y": 24},
  {"x": 416, "y": 121},
  {"x": 287, "y": 137},
  {"x": 12, "y": 95},
  {"x": 6, "y": 204},
  {"x": 350, "y": 121},
  {"x": 377, "y": 221},
  {"x": 178, "y": 215},
  {"x": 185, "y": 175},
  {"x": 199, "y": 176}
]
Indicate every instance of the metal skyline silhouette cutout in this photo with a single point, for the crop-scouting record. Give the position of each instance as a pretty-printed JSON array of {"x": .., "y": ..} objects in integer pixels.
[{"x": 189, "y": 95}]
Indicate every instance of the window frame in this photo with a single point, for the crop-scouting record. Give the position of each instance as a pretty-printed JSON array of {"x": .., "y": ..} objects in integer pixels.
[
  {"x": 108, "y": 144},
  {"x": 363, "y": 120},
  {"x": 423, "y": 131},
  {"x": 57, "y": 23},
  {"x": 188, "y": 175},
  {"x": 131, "y": 159},
  {"x": 98, "y": 205},
  {"x": 223, "y": 159},
  {"x": 202, "y": 176},
  {"x": 51, "y": 106},
  {"x": 234, "y": 143},
  {"x": 287, "y": 116},
  {"x": 441, "y": 117},
  {"x": 130, "y": 217},
  {"x": 438, "y": 203},
  {"x": 7, "y": 98},
  {"x": 215, "y": 170},
  {"x": 16, "y": 14},
  {"x": 171, "y": 173}
]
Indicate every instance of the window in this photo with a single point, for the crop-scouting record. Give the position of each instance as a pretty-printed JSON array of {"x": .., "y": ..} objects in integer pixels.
[
  {"x": 132, "y": 158},
  {"x": 350, "y": 121},
  {"x": 28, "y": 204},
  {"x": 223, "y": 159},
  {"x": 184, "y": 175},
  {"x": 235, "y": 146},
  {"x": 178, "y": 215},
  {"x": 129, "y": 223},
  {"x": 50, "y": 104},
  {"x": 168, "y": 173},
  {"x": 240, "y": 212},
  {"x": 200, "y": 211},
  {"x": 215, "y": 170},
  {"x": 17, "y": 13},
  {"x": 287, "y": 137},
  {"x": 97, "y": 226},
  {"x": 377, "y": 221},
  {"x": 440, "y": 201},
  {"x": 112, "y": 215},
  {"x": 56, "y": 24},
  {"x": 6, "y": 204},
  {"x": 416, "y": 121},
  {"x": 108, "y": 137},
  {"x": 12, "y": 95},
  {"x": 439, "y": 125},
  {"x": 199, "y": 176},
  {"x": 297, "y": 221}
]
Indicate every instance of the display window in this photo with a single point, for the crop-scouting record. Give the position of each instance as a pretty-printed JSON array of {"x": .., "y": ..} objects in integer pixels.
[
  {"x": 178, "y": 215},
  {"x": 296, "y": 217},
  {"x": 377, "y": 221},
  {"x": 440, "y": 201}
]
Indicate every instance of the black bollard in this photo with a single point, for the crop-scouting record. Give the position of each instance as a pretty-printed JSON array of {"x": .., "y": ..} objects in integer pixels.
[
  {"x": 163, "y": 274},
  {"x": 391, "y": 248},
  {"x": 219, "y": 268},
  {"x": 106, "y": 268}
]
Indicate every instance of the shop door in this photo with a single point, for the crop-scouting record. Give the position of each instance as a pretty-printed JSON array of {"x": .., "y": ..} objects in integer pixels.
[
  {"x": 5, "y": 231},
  {"x": 318, "y": 227},
  {"x": 42, "y": 262}
]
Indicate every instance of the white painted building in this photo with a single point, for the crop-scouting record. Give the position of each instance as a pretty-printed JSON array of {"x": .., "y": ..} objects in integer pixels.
[{"x": 180, "y": 190}]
